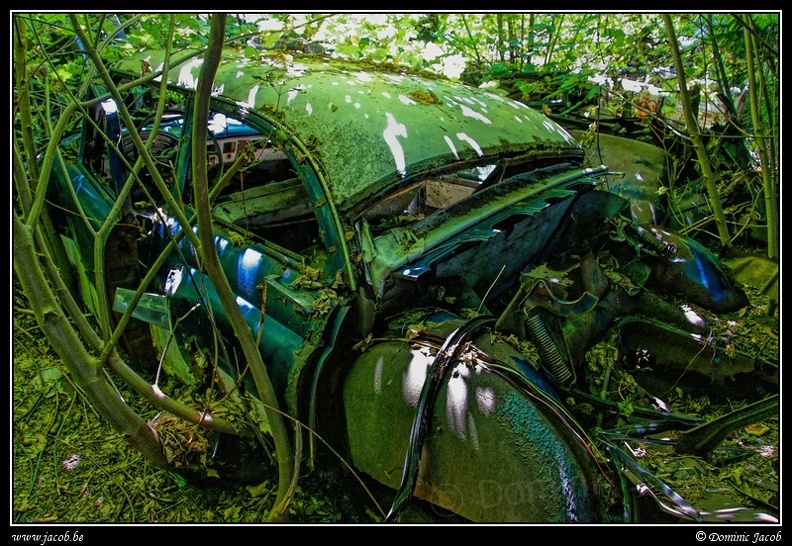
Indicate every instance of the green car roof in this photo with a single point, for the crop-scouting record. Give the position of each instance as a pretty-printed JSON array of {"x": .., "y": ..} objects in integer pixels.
[{"x": 368, "y": 124}]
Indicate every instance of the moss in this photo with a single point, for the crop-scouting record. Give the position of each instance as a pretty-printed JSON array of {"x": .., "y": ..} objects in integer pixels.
[{"x": 425, "y": 97}]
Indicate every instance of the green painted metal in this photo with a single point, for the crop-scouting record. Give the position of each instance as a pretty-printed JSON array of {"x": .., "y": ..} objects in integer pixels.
[
  {"x": 491, "y": 452},
  {"x": 370, "y": 128},
  {"x": 492, "y": 441}
]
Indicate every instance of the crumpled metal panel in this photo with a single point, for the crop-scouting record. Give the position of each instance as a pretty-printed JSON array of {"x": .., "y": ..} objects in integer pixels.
[
  {"x": 366, "y": 127},
  {"x": 428, "y": 240}
]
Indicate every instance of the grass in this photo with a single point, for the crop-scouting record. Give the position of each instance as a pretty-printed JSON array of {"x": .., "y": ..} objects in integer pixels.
[{"x": 68, "y": 466}]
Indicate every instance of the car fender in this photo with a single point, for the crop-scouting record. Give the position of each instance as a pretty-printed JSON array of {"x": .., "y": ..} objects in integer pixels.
[{"x": 498, "y": 445}]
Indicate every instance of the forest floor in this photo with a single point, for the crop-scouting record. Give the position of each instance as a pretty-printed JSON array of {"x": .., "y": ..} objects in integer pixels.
[{"x": 68, "y": 466}]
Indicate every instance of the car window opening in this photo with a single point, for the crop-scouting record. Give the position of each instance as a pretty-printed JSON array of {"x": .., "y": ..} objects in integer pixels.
[
  {"x": 264, "y": 197},
  {"x": 441, "y": 191},
  {"x": 424, "y": 198}
]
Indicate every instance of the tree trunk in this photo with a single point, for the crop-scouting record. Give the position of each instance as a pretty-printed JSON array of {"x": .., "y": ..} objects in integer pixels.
[
  {"x": 286, "y": 459},
  {"x": 710, "y": 178},
  {"x": 771, "y": 204},
  {"x": 83, "y": 366}
]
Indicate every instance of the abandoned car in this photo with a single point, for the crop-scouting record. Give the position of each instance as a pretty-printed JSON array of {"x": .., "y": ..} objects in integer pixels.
[{"x": 427, "y": 269}]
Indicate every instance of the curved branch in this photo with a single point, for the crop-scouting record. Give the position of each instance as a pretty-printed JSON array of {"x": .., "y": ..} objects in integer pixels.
[{"x": 286, "y": 459}]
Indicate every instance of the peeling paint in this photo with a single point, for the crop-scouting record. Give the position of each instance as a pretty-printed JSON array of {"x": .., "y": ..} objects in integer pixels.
[
  {"x": 451, "y": 146},
  {"x": 293, "y": 92},
  {"x": 395, "y": 129},
  {"x": 397, "y": 80},
  {"x": 473, "y": 144},
  {"x": 243, "y": 110},
  {"x": 296, "y": 70},
  {"x": 498, "y": 98},
  {"x": 534, "y": 446},
  {"x": 481, "y": 103},
  {"x": 351, "y": 170},
  {"x": 172, "y": 281},
  {"x": 364, "y": 77},
  {"x": 186, "y": 77},
  {"x": 469, "y": 112}
]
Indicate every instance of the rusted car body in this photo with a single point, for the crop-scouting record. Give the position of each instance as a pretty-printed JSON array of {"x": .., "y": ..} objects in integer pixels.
[{"x": 426, "y": 266}]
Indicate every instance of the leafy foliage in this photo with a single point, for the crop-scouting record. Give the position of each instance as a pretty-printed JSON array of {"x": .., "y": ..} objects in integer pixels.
[{"x": 66, "y": 467}]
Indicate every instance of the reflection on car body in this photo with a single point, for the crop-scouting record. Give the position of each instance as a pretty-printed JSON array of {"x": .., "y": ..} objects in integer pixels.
[{"x": 426, "y": 267}]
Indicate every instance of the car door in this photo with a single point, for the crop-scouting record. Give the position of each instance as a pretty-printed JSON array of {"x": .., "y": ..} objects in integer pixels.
[{"x": 267, "y": 238}]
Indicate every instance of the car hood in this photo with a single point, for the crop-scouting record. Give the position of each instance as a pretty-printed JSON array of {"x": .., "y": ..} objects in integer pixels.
[{"x": 368, "y": 125}]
